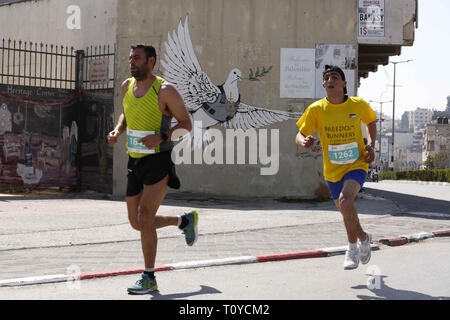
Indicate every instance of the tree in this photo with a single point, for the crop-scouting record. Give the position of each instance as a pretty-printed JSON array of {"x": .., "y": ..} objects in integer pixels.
[
  {"x": 440, "y": 160},
  {"x": 429, "y": 163}
]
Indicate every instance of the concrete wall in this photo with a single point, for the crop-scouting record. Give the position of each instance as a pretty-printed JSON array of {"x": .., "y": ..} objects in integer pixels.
[
  {"x": 226, "y": 34},
  {"x": 242, "y": 34},
  {"x": 46, "y": 21}
]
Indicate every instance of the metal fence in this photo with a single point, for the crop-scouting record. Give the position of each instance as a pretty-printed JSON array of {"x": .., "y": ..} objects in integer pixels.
[
  {"x": 61, "y": 67},
  {"x": 37, "y": 64}
]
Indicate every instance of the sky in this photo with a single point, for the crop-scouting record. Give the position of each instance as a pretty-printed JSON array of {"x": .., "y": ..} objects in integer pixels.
[{"x": 425, "y": 81}]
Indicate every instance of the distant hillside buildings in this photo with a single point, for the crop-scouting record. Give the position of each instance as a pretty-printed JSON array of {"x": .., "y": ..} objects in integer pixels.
[{"x": 419, "y": 134}]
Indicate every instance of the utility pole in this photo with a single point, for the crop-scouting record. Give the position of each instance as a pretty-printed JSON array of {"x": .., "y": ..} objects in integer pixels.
[
  {"x": 381, "y": 121},
  {"x": 393, "y": 109}
]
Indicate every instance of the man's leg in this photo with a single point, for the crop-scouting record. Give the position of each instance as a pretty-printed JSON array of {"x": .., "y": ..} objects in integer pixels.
[
  {"x": 151, "y": 199},
  {"x": 132, "y": 208},
  {"x": 142, "y": 210},
  {"x": 133, "y": 214},
  {"x": 345, "y": 204}
]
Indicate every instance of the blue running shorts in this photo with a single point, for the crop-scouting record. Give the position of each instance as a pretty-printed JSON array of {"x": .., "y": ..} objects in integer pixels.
[{"x": 336, "y": 187}]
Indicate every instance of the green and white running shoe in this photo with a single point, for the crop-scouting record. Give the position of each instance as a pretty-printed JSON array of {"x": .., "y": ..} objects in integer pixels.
[
  {"x": 190, "y": 230},
  {"x": 143, "y": 285}
]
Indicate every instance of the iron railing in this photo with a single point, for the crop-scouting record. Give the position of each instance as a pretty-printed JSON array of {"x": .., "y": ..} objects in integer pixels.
[
  {"x": 37, "y": 64},
  {"x": 49, "y": 66}
]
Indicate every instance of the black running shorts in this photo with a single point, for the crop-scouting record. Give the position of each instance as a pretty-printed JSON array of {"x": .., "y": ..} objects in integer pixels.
[{"x": 149, "y": 170}]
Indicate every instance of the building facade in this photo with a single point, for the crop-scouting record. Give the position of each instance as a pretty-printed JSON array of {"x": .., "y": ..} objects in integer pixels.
[
  {"x": 419, "y": 118},
  {"x": 247, "y": 34},
  {"x": 279, "y": 48},
  {"x": 76, "y": 24},
  {"x": 437, "y": 139}
]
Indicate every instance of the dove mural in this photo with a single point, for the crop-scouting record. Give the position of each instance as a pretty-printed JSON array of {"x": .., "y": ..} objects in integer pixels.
[{"x": 209, "y": 104}]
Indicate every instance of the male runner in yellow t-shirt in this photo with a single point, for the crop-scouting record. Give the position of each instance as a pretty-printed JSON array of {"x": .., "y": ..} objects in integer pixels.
[
  {"x": 149, "y": 105},
  {"x": 337, "y": 119}
]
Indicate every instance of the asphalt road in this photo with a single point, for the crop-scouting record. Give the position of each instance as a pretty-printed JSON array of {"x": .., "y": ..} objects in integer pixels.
[
  {"x": 412, "y": 197},
  {"x": 417, "y": 271},
  {"x": 413, "y": 271}
]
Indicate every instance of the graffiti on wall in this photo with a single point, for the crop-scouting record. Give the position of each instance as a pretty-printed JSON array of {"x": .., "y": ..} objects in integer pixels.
[
  {"x": 208, "y": 103},
  {"x": 97, "y": 119},
  {"x": 39, "y": 142}
]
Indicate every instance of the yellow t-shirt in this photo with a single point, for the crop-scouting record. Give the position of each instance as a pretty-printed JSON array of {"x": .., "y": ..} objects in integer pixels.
[{"x": 340, "y": 134}]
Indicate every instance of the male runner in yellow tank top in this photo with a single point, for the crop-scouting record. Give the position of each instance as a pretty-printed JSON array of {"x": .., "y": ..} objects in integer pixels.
[
  {"x": 149, "y": 105},
  {"x": 337, "y": 119}
]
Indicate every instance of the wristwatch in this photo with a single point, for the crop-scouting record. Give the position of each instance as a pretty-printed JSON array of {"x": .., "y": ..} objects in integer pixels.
[{"x": 164, "y": 136}]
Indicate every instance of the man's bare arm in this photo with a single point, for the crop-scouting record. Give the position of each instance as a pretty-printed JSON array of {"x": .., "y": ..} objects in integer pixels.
[
  {"x": 177, "y": 109},
  {"x": 121, "y": 122},
  {"x": 372, "y": 133},
  {"x": 170, "y": 98}
]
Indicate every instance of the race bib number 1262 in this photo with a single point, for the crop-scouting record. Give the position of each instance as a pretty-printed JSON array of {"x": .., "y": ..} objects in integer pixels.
[{"x": 343, "y": 153}]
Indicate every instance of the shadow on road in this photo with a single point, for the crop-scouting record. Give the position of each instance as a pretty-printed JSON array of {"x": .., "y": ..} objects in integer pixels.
[
  {"x": 203, "y": 290},
  {"x": 42, "y": 195},
  {"x": 412, "y": 203},
  {"x": 384, "y": 292}
]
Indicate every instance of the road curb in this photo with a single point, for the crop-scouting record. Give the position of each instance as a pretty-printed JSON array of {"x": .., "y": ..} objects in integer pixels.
[
  {"x": 435, "y": 183},
  {"x": 402, "y": 240},
  {"x": 335, "y": 251},
  {"x": 113, "y": 273},
  {"x": 320, "y": 253},
  {"x": 445, "y": 233},
  {"x": 213, "y": 263},
  {"x": 55, "y": 278},
  {"x": 290, "y": 256}
]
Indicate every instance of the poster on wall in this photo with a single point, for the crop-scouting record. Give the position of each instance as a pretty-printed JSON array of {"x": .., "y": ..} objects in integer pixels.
[
  {"x": 297, "y": 73},
  {"x": 341, "y": 55},
  {"x": 98, "y": 71},
  {"x": 371, "y": 19}
]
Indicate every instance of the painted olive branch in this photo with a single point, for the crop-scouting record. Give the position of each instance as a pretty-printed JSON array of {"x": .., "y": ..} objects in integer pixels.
[{"x": 258, "y": 73}]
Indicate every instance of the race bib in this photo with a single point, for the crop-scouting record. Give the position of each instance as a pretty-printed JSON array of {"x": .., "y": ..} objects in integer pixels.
[
  {"x": 133, "y": 136},
  {"x": 343, "y": 153}
]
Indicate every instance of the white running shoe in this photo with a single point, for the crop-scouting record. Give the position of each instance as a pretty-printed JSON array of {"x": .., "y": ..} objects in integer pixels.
[
  {"x": 351, "y": 259},
  {"x": 364, "y": 250}
]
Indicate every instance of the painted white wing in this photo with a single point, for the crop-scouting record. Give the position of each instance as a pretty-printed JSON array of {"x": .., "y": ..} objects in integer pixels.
[
  {"x": 198, "y": 137},
  {"x": 184, "y": 71},
  {"x": 248, "y": 117}
]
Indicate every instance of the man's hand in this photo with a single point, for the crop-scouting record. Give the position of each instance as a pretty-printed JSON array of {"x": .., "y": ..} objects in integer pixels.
[
  {"x": 309, "y": 141},
  {"x": 305, "y": 142},
  {"x": 151, "y": 141},
  {"x": 372, "y": 131},
  {"x": 370, "y": 155},
  {"x": 113, "y": 137}
]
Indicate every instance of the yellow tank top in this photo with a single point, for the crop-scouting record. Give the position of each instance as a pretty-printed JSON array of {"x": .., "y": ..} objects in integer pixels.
[{"x": 143, "y": 117}]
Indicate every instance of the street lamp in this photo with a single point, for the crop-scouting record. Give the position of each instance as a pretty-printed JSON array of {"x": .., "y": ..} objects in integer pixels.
[
  {"x": 393, "y": 109},
  {"x": 381, "y": 120}
]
